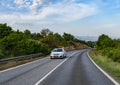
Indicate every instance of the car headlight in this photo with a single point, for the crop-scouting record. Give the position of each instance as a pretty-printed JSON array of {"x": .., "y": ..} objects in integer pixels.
[{"x": 51, "y": 54}]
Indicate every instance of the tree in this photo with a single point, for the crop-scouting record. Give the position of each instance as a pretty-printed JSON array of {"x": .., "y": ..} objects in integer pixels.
[
  {"x": 90, "y": 43},
  {"x": 10, "y": 42},
  {"x": 36, "y": 36},
  {"x": 104, "y": 41},
  {"x": 5, "y": 30},
  {"x": 16, "y": 43},
  {"x": 27, "y": 33},
  {"x": 68, "y": 37},
  {"x": 45, "y": 32},
  {"x": 49, "y": 40},
  {"x": 109, "y": 47}
]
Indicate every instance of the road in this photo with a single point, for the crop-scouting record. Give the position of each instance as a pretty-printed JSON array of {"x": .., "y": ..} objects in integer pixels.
[{"x": 76, "y": 69}]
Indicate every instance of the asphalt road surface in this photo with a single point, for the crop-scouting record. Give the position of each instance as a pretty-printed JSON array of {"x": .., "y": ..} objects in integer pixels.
[{"x": 76, "y": 69}]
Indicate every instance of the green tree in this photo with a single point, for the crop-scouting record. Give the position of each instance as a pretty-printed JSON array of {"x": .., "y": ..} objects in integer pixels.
[
  {"x": 90, "y": 43},
  {"x": 27, "y": 33},
  {"x": 5, "y": 30},
  {"x": 109, "y": 47},
  {"x": 49, "y": 40},
  {"x": 68, "y": 37},
  {"x": 10, "y": 42},
  {"x": 15, "y": 43},
  {"x": 104, "y": 41},
  {"x": 36, "y": 36}
]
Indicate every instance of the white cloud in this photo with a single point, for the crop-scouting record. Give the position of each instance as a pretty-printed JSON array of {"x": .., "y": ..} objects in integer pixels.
[
  {"x": 19, "y": 2},
  {"x": 35, "y": 5},
  {"x": 43, "y": 12},
  {"x": 65, "y": 12}
]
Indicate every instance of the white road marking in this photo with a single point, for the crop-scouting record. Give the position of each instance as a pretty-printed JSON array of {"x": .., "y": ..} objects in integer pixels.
[
  {"x": 53, "y": 70},
  {"x": 50, "y": 72},
  {"x": 106, "y": 74},
  {"x": 21, "y": 65}
]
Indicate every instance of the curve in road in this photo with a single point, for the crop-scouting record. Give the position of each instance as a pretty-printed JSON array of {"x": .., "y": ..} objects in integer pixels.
[{"x": 77, "y": 70}]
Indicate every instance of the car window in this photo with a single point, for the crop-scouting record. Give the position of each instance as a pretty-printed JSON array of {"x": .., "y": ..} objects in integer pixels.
[{"x": 58, "y": 50}]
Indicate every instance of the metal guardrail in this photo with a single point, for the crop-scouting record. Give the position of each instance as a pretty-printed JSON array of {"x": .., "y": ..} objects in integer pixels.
[{"x": 20, "y": 58}]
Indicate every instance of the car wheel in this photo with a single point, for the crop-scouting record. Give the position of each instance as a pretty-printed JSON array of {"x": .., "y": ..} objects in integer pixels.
[
  {"x": 51, "y": 57},
  {"x": 64, "y": 56}
]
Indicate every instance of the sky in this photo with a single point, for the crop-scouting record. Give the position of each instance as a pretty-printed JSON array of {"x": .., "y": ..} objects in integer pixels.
[{"x": 78, "y": 17}]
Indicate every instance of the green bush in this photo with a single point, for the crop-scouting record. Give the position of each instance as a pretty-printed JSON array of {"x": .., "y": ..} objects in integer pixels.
[
  {"x": 109, "y": 47},
  {"x": 1, "y": 54},
  {"x": 114, "y": 54}
]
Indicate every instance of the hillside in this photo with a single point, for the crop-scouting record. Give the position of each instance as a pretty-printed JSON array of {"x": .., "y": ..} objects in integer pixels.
[{"x": 15, "y": 43}]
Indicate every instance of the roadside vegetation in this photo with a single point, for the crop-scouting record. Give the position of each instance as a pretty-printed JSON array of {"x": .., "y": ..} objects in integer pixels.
[
  {"x": 16, "y": 43},
  {"x": 111, "y": 67},
  {"x": 109, "y": 47},
  {"x": 107, "y": 55}
]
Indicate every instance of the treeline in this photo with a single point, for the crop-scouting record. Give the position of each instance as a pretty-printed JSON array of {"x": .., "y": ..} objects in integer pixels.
[
  {"x": 109, "y": 47},
  {"x": 16, "y": 43}
]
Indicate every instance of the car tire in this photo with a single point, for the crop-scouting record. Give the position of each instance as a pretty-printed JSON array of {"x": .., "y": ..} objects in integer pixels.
[{"x": 51, "y": 58}]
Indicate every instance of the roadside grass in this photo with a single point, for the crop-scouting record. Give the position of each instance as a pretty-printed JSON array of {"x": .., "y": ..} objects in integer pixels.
[
  {"x": 16, "y": 63},
  {"x": 112, "y": 68}
]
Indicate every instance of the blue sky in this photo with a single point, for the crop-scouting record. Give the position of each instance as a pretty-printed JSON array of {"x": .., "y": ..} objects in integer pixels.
[{"x": 78, "y": 17}]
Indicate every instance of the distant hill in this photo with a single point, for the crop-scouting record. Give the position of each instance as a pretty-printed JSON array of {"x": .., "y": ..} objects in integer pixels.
[{"x": 87, "y": 38}]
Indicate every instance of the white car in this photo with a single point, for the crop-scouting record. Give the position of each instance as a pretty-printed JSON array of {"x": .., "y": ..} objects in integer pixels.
[{"x": 58, "y": 53}]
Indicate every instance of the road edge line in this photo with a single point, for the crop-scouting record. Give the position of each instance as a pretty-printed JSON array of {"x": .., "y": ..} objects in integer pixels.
[
  {"x": 21, "y": 65},
  {"x": 53, "y": 70},
  {"x": 105, "y": 73},
  {"x": 14, "y": 67},
  {"x": 50, "y": 72}
]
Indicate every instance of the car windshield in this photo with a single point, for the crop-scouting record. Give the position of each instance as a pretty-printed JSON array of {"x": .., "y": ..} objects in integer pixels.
[{"x": 57, "y": 50}]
